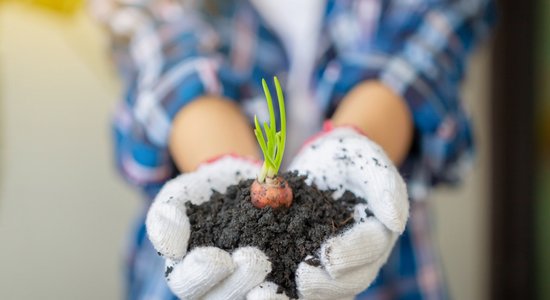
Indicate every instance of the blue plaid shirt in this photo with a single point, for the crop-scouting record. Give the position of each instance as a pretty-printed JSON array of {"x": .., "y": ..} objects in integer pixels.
[{"x": 169, "y": 53}]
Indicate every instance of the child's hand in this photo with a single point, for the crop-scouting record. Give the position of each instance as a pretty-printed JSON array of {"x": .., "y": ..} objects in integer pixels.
[
  {"x": 204, "y": 272},
  {"x": 342, "y": 159}
]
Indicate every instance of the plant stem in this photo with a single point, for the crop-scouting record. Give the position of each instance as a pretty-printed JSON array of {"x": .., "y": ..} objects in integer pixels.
[{"x": 273, "y": 143}]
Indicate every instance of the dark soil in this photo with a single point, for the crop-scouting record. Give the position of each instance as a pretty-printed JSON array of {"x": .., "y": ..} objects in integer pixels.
[{"x": 286, "y": 235}]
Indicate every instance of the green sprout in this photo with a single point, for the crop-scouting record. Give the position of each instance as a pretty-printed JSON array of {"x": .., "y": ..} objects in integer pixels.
[{"x": 274, "y": 148}]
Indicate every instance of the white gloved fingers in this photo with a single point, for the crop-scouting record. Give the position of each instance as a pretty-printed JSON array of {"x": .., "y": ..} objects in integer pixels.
[
  {"x": 388, "y": 200},
  {"x": 251, "y": 268},
  {"x": 362, "y": 244},
  {"x": 346, "y": 160},
  {"x": 198, "y": 272},
  {"x": 226, "y": 171},
  {"x": 327, "y": 161},
  {"x": 167, "y": 223},
  {"x": 370, "y": 174},
  {"x": 266, "y": 291},
  {"x": 315, "y": 283}
]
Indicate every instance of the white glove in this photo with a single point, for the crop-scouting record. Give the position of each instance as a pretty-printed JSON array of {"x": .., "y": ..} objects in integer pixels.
[
  {"x": 205, "y": 272},
  {"x": 343, "y": 159}
]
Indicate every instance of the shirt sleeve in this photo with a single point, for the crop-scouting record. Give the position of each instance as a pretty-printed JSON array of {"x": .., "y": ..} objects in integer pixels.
[
  {"x": 419, "y": 49},
  {"x": 167, "y": 56}
]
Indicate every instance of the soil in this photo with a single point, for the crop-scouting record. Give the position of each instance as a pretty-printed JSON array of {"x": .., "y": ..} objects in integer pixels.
[{"x": 286, "y": 235}]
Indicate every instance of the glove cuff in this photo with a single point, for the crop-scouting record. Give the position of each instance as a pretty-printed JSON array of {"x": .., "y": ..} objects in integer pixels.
[
  {"x": 230, "y": 156},
  {"x": 330, "y": 128}
]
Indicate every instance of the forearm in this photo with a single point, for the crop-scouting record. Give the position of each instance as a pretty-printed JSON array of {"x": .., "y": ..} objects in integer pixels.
[
  {"x": 208, "y": 127},
  {"x": 381, "y": 114}
]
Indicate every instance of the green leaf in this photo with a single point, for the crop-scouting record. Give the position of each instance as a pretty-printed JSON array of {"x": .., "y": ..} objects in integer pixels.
[
  {"x": 269, "y": 105},
  {"x": 260, "y": 137},
  {"x": 282, "y": 141},
  {"x": 272, "y": 149},
  {"x": 271, "y": 142},
  {"x": 278, "y": 157}
]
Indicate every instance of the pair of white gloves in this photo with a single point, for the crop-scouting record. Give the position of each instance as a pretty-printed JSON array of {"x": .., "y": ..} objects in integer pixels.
[{"x": 338, "y": 159}]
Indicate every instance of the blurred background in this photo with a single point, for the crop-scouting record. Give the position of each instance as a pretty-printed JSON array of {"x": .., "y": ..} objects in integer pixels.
[{"x": 64, "y": 211}]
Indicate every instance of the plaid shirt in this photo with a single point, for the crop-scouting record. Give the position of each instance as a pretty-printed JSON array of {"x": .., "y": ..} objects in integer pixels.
[{"x": 169, "y": 53}]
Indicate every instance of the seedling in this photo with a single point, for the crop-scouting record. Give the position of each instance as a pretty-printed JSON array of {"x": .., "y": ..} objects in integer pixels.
[
  {"x": 269, "y": 189},
  {"x": 314, "y": 216}
]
